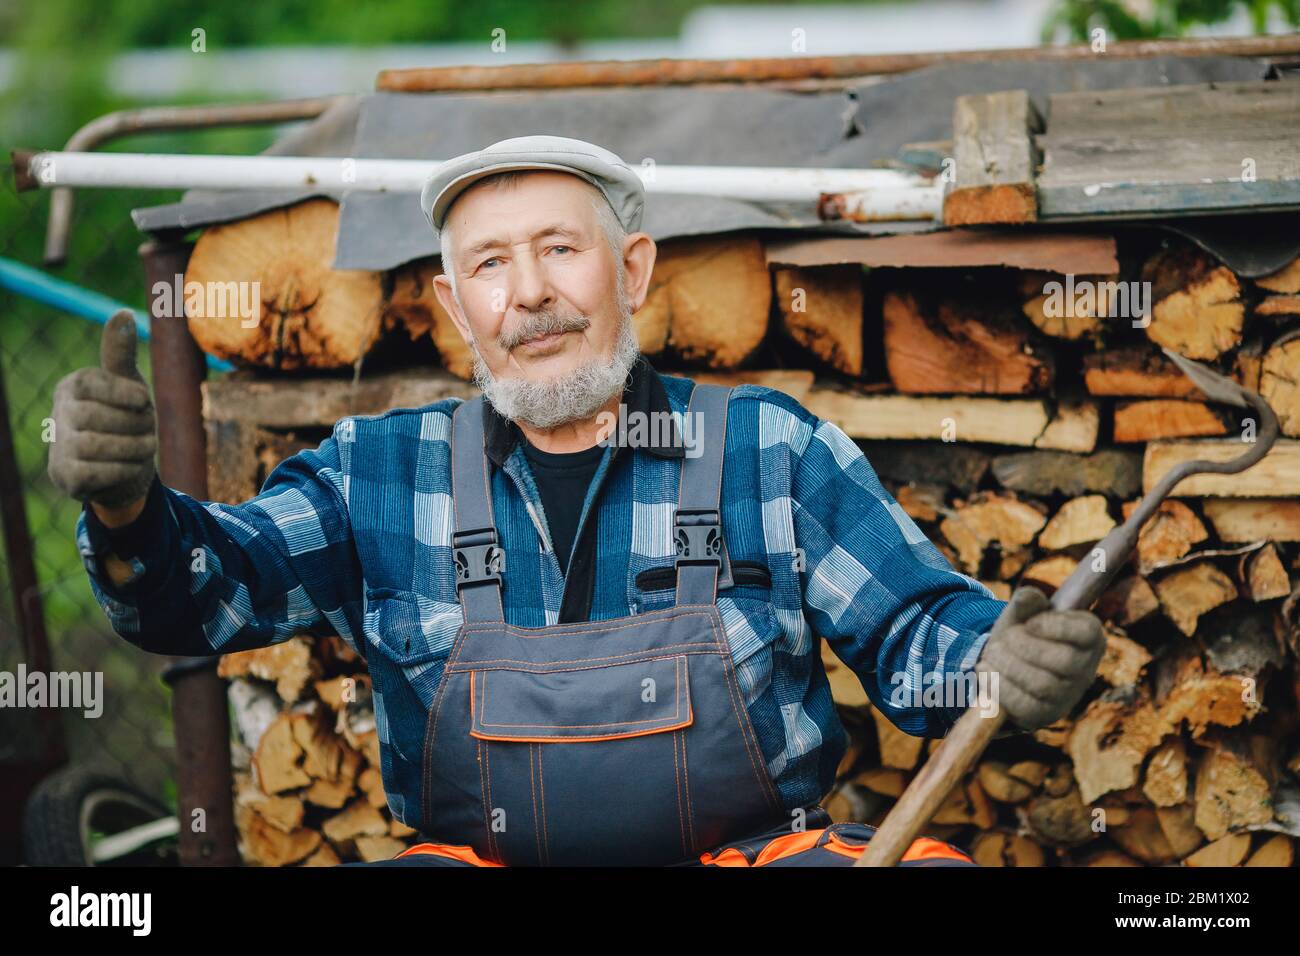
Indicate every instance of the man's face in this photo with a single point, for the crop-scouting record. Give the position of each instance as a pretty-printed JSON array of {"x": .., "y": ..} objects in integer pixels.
[{"x": 537, "y": 280}]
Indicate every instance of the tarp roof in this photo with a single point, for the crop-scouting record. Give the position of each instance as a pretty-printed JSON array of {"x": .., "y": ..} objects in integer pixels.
[{"x": 861, "y": 125}]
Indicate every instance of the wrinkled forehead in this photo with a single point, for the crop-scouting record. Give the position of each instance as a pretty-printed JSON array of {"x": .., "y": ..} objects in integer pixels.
[{"x": 522, "y": 201}]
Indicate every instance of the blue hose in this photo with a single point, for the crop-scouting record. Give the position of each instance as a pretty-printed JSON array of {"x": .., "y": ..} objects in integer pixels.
[{"x": 76, "y": 300}]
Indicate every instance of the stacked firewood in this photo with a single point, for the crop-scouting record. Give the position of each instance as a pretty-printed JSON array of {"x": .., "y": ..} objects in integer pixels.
[
  {"x": 306, "y": 755},
  {"x": 1015, "y": 424}
]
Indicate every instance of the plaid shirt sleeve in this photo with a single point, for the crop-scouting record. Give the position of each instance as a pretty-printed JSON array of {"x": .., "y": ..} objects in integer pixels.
[
  {"x": 210, "y": 578},
  {"x": 887, "y": 601}
]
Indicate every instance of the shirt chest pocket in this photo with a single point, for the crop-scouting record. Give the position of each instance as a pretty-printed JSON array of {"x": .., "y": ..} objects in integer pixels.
[{"x": 410, "y": 629}]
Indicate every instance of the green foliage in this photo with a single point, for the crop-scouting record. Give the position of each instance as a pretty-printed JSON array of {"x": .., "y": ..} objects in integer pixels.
[{"x": 1150, "y": 19}]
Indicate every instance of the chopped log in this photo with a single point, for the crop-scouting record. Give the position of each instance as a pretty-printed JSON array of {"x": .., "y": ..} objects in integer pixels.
[
  {"x": 821, "y": 309},
  {"x": 1234, "y": 784},
  {"x": 1165, "y": 780},
  {"x": 1286, "y": 279},
  {"x": 1262, "y": 575},
  {"x": 1168, "y": 534},
  {"x": 1001, "y": 785},
  {"x": 794, "y": 382},
  {"x": 372, "y": 848},
  {"x": 999, "y": 589},
  {"x": 1279, "y": 382},
  {"x": 1197, "y": 310},
  {"x": 1127, "y": 601},
  {"x": 886, "y": 781},
  {"x": 1286, "y": 305},
  {"x": 413, "y": 307},
  {"x": 1068, "y": 307},
  {"x": 1073, "y": 428},
  {"x": 1011, "y": 563},
  {"x": 371, "y": 783},
  {"x": 951, "y": 465},
  {"x": 1142, "y": 838},
  {"x": 988, "y": 517},
  {"x": 718, "y": 297},
  {"x": 1056, "y": 735},
  {"x": 1050, "y": 572},
  {"x": 1109, "y": 857},
  {"x": 1059, "y": 820},
  {"x": 396, "y": 828},
  {"x": 1165, "y": 418},
  {"x": 337, "y": 692},
  {"x": 1032, "y": 772},
  {"x": 267, "y": 296},
  {"x": 1275, "y": 519},
  {"x": 961, "y": 419},
  {"x": 846, "y": 688},
  {"x": 288, "y": 663},
  {"x": 897, "y": 749},
  {"x": 277, "y": 761},
  {"x": 263, "y": 845},
  {"x": 282, "y": 812},
  {"x": 1138, "y": 372},
  {"x": 337, "y": 791},
  {"x": 1178, "y": 824},
  {"x": 1111, "y": 472},
  {"x": 358, "y": 820},
  {"x": 947, "y": 346},
  {"x": 1277, "y": 850},
  {"x": 967, "y": 804},
  {"x": 1078, "y": 521},
  {"x": 920, "y": 502},
  {"x": 999, "y": 848},
  {"x": 1226, "y": 851},
  {"x": 1124, "y": 660},
  {"x": 1241, "y": 640},
  {"x": 1187, "y": 690},
  {"x": 1277, "y": 474},
  {"x": 1110, "y": 741},
  {"x": 1188, "y": 592},
  {"x": 324, "y": 856}
]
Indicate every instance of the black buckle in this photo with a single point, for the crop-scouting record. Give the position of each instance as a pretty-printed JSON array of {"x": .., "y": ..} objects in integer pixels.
[
  {"x": 698, "y": 538},
  {"x": 479, "y": 559}
]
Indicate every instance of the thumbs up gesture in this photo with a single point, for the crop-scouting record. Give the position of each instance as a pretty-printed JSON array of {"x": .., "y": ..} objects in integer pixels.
[{"x": 104, "y": 440}]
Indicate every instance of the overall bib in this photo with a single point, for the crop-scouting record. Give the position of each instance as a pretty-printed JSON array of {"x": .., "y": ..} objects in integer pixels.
[{"x": 615, "y": 742}]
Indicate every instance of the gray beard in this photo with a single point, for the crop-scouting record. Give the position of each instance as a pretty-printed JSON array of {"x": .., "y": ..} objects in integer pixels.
[{"x": 574, "y": 396}]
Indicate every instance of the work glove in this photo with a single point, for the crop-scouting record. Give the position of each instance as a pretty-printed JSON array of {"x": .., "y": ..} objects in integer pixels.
[
  {"x": 1045, "y": 659},
  {"x": 104, "y": 425}
]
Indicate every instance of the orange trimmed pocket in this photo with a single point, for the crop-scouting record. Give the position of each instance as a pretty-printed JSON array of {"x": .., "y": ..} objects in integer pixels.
[{"x": 610, "y": 702}]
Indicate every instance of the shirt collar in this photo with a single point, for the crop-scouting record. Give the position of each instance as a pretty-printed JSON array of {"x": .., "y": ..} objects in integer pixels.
[{"x": 643, "y": 393}]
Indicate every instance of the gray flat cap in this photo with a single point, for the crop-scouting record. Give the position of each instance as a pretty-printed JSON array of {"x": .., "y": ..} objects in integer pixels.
[{"x": 604, "y": 170}]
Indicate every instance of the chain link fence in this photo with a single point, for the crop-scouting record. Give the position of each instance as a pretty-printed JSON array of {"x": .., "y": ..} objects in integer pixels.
[{"x": 132, "y": 736}]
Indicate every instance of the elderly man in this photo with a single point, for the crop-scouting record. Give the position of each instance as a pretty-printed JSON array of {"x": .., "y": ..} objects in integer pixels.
[{"x": 590, "y": 599}]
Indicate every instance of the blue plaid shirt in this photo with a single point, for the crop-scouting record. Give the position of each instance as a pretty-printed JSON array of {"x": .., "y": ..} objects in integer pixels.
[{"x": 355, "y": 537}]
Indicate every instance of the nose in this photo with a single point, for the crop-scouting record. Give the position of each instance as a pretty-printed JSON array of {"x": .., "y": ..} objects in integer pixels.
[{"x": 532, "y": 289}]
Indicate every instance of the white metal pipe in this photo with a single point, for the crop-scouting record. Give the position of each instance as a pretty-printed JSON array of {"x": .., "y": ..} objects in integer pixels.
[{"x": 901, "y": 194}]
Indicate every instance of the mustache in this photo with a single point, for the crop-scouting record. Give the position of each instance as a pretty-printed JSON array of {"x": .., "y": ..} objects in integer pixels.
[{"x": 542, "y": 323}]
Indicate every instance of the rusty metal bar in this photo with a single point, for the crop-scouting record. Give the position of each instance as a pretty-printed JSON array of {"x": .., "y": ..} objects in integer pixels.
[
  {"x": 200, "y": 713},
  {"x": 156, "y": 119},
  {"x": 537, "y": 76}
]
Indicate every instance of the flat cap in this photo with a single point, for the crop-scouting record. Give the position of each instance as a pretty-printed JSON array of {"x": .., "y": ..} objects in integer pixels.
[{"x": 603, "y": 169}]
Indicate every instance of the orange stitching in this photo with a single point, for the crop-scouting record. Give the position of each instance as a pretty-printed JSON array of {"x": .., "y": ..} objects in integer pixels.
[
  {"x": 677, "y": 710},
  {"x": 677, "y": 778},
  {"x": 532, "y": 789},
  {"x": 615, "y": 660},
  {"x": 541, "y": 778}
]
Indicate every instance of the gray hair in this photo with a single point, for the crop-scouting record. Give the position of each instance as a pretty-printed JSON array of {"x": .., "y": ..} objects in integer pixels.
[{"x": 610, "y": 224}]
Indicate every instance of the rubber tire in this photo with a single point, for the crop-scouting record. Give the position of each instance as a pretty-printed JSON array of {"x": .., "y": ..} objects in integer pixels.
[{"x": 51, "y": 825}]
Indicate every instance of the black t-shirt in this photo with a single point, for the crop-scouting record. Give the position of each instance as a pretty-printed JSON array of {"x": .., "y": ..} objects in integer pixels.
[{"x": 562, "y": 480}]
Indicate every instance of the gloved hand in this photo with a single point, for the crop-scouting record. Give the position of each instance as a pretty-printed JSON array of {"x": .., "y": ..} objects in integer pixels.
[
  {"x": 104, "y": 441},
  {"x": 1045, "y": 660}
]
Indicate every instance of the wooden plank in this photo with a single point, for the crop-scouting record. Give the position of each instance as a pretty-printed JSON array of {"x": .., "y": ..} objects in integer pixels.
[
  {"x": 1277, "y": 519},
  {"x": 995, "y": 154},
  {"x": 960, "y": 418},
  {"x": 1278, "y": 474},
  {"x": 1171, "y": 150},
  {"x": 297, "y": 402},
  {"x": 1046, "y": 250}
]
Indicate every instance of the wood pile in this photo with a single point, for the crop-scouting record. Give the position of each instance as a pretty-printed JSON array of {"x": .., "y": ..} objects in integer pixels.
[{"x": 1015, "y": 434}]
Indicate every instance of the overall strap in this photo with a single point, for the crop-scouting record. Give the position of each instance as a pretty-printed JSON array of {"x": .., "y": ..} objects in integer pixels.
[
  {"x": 475, "y": 546},
  {"x": 697, "y": 532}
]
